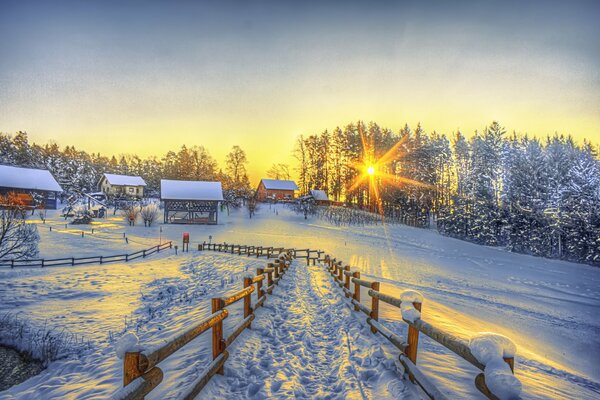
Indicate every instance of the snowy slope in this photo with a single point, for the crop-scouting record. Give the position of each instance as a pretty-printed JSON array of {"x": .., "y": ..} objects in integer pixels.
[{"x": 549, "y": 308}]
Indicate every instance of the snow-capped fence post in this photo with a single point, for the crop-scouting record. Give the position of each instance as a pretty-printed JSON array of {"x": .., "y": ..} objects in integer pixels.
[
  {"x": 218, "y": 344},
  {"x": 269, "y": 281},
  {"x": 356, "y": 275},
  {"x": 347, "y": 283},
  {"x": 259, "y": 292},
  {"x": 247, "y": 300},
  {"x": 131, "y": 367},
  {"x": 413, "y": 339},
  {"x": 374, "y": 306}
]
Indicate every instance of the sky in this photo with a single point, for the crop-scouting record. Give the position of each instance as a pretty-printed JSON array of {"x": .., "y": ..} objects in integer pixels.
[{"x": 146, "y": 77}]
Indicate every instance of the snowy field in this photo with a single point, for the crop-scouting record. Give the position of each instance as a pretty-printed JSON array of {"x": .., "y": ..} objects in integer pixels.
[{"x": 549, "y": 308}]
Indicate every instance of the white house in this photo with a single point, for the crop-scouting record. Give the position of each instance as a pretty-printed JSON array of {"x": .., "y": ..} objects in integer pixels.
[{"x": 122, "y": 185}]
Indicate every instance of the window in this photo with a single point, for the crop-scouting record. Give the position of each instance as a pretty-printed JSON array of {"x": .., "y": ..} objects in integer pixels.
[{"x": 130, "y": 190}]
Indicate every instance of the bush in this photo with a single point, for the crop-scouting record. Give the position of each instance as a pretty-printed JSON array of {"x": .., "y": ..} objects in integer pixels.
[{"x": 149, "y": 213}]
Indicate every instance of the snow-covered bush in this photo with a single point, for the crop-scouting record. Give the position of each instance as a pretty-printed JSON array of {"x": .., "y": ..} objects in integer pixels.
[
  {"x": 149, "y": 213},
  {"x": 130, "y": 213},
  {"x": 348, "y": 216},
  {"x": 45, "y": 344}
]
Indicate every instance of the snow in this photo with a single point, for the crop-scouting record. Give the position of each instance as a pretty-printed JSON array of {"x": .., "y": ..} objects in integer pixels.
[
  {"x": 276, "y": 184},
  {"x": 490, "y": 349},
  {"x": 127, "y": 343},
  {"x": 319, "y": 195},
  {"x": 28, "y": 178},
  {"x": 469, "y": 288},
  {"x": 125, "y": 180},
  {"x": 407, "y": 308},
  {"x": 190, "y": 190}
]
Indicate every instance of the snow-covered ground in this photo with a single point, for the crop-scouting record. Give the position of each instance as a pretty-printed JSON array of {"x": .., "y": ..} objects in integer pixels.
[{"x": 549, "y": 308}]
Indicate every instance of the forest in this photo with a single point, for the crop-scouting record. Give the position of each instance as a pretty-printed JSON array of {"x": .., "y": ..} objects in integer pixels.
[{"x": 532, "y": 196}]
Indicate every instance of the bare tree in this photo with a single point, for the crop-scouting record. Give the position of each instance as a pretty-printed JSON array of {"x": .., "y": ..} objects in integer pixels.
[
  {"x": 149, "y": 213},
  {"x": 235, "y": 164},
  {"x": 252, "y": 205},
  {"x": 130, "y": 213},
  {"x": 18, "y": 239},
  {"x": 279, "y": 171}
]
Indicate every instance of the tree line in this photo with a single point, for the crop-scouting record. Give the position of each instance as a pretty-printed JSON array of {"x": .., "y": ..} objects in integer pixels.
[
  {"x": 77, "y": 170},
  {"x": 539, "y": 197}
]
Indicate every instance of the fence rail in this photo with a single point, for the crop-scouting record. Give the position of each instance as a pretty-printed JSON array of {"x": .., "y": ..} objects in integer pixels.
[
  {"x": 409, "y": 348},
  {"x": 73, "y": 261},
  {"x": 140, "y": 372}
]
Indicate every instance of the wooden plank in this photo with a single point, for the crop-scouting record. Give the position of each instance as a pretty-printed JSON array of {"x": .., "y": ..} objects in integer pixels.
[
  {"x": 149, "y": 360},
  {"x": 386, "y": 298},
  {"x": 425, "y": 384},
  {"x": 142, "y": 386},
  {"x": 214, "y": 367},
  {"x": 236, "y": 296},
  {"x": 362, "y": 307},
  {"x": 362, "y": 282},
  {"x": 395, "y": 339},
  {"x": 239, "y": 329}
]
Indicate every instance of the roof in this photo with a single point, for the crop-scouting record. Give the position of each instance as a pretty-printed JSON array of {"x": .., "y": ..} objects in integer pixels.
[
  {"x": 124, "y": 180},
  {"x": 190, "y": 190},
  {"x": 28, "y": 178},
  {"x": 275, "y": 184},
  {"x": 319, "y": 195}
]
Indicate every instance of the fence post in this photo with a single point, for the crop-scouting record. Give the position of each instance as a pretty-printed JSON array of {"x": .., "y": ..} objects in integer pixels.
[
  {"x": 218, "y": 344},
  {"x": 356, "y": 275},
  {"x": 259, "y": 271},
  {"x": 248, "y": 300},
  {"x": 413, "y": 339},
  {"x": 131, "y": 367},
  {"x": 269, "y": 282},
  {"x": 143, "y": 253},
  {"x": 72, "y": 260},
  {"x": 341, "y": 271},
  {"x": 347, "y": 285},
  {"x": 275, "y": 269},
  {"x": 374, "y": 306},
  {"x": 100, "y": 261}
]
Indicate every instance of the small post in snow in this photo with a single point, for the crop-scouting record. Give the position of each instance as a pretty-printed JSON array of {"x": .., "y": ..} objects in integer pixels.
[
  {"x": 356, "y": 275},
  {"x": 413, "y": 339},
  {"x": 259, "y": 272},
  {"x": 218, "y": 344},
  {"x": 347, "y": 284},
  {"x": 374, "y": 306},
  {"x": 248, "y": 300}
]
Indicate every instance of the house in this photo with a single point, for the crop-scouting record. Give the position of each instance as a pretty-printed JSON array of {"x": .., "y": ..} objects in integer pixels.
[
  {"x": 320, "y": 197},
  {"x": 122, "y": 186},
  {"x": 275, "y": 189},
  {"x": 191, "y": 202},
  {"x": 34, "y": 187}
]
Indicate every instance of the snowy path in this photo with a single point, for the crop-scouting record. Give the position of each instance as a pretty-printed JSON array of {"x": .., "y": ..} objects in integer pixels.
[{"x": 306, "y": 344}]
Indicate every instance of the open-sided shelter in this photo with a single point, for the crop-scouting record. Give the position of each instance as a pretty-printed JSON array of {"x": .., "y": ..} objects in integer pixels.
[{"x": 191, "y": 202}]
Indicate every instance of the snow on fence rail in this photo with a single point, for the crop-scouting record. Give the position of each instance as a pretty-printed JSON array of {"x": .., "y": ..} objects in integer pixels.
[
  {"x": 489, "y": 348},
  {"x": 57, "y": 262},
  {"x": 140, "y": 372}
]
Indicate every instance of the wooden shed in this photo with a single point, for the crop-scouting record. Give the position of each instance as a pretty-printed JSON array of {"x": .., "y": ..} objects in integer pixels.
[
  {"x": 30, "y": 185},
  {"x": 191, "y": 202},
  {"x": 275, "y": 189}
]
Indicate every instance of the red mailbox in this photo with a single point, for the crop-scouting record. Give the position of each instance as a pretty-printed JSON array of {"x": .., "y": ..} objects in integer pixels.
[{"x": 186, "y": 237}]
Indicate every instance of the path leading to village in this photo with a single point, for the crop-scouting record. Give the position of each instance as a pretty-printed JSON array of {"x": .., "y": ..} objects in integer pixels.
[{"x": 306, "y": 344}]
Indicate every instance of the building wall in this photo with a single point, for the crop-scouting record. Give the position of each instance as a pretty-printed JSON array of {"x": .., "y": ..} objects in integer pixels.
[
  {"x": 263, "y": 194},
  {"x": 50, "y": 202},
  {"x": 114, "y": 190}
]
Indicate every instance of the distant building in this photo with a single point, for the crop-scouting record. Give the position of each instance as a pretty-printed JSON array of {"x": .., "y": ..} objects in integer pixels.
[
  {"x": 122, "y": 186},
  {"x": 274, "y": 189},
  {"x": 30, "y": 185},
  {"x": 191, "y": 202},
  {"x": 320, "y": 197}
]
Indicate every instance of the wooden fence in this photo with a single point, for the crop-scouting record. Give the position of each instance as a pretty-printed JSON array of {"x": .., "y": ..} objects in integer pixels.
[
  {"x": 57, "y": 262},
  {"x": 343, "y": 276},
  {"x": 140, "y": 371}
]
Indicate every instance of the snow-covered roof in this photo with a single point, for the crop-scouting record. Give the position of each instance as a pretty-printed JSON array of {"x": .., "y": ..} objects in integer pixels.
[
  {"x": 276, "y": 184},
  {"x": 319, "y": 195},
  {"x": 190, "y": 190},
  {"x": 28, "y": 179},
  {"x": 124, "y": 180}
]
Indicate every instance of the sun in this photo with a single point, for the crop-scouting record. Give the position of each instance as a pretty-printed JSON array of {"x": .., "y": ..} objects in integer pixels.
[{"x": 371, "y": 170}]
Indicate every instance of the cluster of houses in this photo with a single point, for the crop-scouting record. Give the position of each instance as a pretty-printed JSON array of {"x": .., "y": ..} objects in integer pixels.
[{"x": 187, "y": 202}]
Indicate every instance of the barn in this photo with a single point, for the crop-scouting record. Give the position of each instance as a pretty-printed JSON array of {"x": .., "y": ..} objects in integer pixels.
[
  {"x": 114, "y": 185},
  {"x": 191, "y": 202},
  {"x": 275, "y": 189},
  {"x": 30, "y": 185}
]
